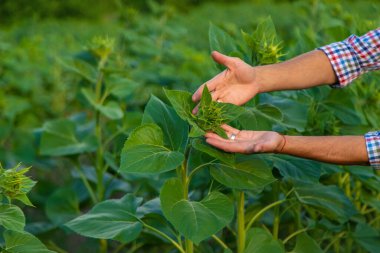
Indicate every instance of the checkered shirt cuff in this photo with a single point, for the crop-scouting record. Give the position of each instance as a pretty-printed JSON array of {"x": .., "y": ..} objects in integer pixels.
[
  {"x": 354, "y": 56},
  {"x": 372, "y": 140}
]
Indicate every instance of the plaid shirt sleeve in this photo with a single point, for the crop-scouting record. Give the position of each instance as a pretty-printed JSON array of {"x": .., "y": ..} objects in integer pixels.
[
  {"x": 350, "y": 59},
  {"x": 354, "y": 56},
  {"x": 372, "y": 140}
]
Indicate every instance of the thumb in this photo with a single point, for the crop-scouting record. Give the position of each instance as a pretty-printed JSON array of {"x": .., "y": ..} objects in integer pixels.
[{"x": 223, "y": 59}]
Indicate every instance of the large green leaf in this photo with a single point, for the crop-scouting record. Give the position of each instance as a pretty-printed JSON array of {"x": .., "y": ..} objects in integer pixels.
[
  {"x": 259, "y": 240},
  {"x": 59, "y": 138},
  {"x": 367, "y": 237},
  {"x": 329, "y": 200},
  {"x": 62, "y": 206},
  {"x": 21, "y": 242},
  {"x": 175, "y": 129},
  {"x": 260, "y": 117},
  {"x": 307, "y": 244},
  {"x": 293, "y": 168},
  {"x": 221, "y": 41},
  {"x": 145, "y": 134},
  {"x": 195, "y": 220},
  {"x": 183, "y": 105},
  {"x": 202, "y": 146},
  {"x": 294, "y": 113},
  {"x": 148, "y": 158},
  {"x": 252, "y": 174},
  {"x": 11, "y": 217},
  {"x": 111, "y": 219}
]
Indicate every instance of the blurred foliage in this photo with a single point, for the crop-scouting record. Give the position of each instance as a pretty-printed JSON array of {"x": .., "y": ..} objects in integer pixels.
[{"x": 50, "y": 65}]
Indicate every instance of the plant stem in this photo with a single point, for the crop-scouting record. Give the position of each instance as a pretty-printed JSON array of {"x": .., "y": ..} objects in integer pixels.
[
  {"x": 276, "y": 221},
  {"x": 86, "y": 183},
  {"x": 348, "y": 187},
  {"x": 98, "y": 133},
  {"x": 164, "y": 236},
  {"x": 240, "y": 223},
  {"x": 218, "y": 240},
  {"x": 336, "y": 238},
  {"x": 294, "y": 234},
  {"x": 185, "y": 182},
  {"x": 254, "y": 218},
  {"x": 103, "y": 246},
  {"x": 99, "y": 158}
]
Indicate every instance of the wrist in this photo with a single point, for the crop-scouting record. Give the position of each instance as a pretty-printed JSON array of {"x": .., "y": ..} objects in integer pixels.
[
  {"x": 261, "y": 80},
  {"x": 281, "y": 144}
]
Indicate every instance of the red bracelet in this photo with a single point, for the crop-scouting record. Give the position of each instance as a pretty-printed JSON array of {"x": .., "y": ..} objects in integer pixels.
[{"x": 283, "y": 136}]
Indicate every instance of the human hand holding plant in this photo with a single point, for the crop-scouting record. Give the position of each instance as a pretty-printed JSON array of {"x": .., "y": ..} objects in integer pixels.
[
  {"x": 247, "y": 142},
  {"x": 235, "y": 85}
]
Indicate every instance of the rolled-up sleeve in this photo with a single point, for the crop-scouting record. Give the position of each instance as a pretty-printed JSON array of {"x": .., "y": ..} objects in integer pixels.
[
  {"x": 354, "y": 56},
  {"x": 372, "y": 140}
]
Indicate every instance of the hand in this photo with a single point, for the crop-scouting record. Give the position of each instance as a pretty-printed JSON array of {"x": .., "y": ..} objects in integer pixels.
[
  {"x": 235, "y": 85},
  {"x": 247, "y": 142}
]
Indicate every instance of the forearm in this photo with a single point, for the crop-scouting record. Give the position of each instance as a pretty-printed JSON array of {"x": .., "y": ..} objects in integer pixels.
[
  {"x": 304, "y": 71},
  {"x": 349, "y": 150}
]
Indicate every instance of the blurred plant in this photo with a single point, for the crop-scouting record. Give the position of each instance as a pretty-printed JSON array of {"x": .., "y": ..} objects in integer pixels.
[{"x": 15, "y": 185}]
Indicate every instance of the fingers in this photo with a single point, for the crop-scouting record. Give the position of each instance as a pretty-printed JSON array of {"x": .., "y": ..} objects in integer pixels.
[
  {"x": 211, "y": 85},
  {"x": 195, "y": 110},
  {"x": 214, "y": 136},
  {"x": 230, "y": 129},
  {"x": 223, "y": 59},
  {"x": 227, "y": 145}
]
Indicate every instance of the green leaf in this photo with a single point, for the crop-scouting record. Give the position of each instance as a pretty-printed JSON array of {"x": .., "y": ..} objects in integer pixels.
[
  {"x": 202, "y": 146},
  {"x": 171, "y": 193},
  {"x": 367, "y": 237},
  {"x": 145, "y": 134},
  {"x": 260, "y": 117},
  {"x": 294, "y": 168},
  {"x": 195, "y": 220},
  {"x": 253, "y": 174},
  {"x": 294, "y": 113},
  {"x": 11, "y": 217},
  {"x": 21, "y": 242},
  {"x": 111, "y": 110},
  {"x": 111, "y": 219},
  {"x": 149, "y": 158},
  {"x": 121, "y": 87},
  {"x": 258, "y": 240},
  {"x": 306, "y": 244},
  {"x": 221, "y": 41},
  {"x": 175, "y": 130},
  {"x": 230, "y": 112},
  {"x": 182, "y": 104},
  {"x": 24, "y": 198},
  {"x": 59, "y": 138},
  {"x": 206, "y": 99},
  {"x": 329, "y": 200},
  {"x": 84, "y": 69},
  {"x": 62, "y": 206}
]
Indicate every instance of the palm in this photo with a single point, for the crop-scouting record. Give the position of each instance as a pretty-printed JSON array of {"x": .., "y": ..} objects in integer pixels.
[{"x": 246, "y": 142}]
